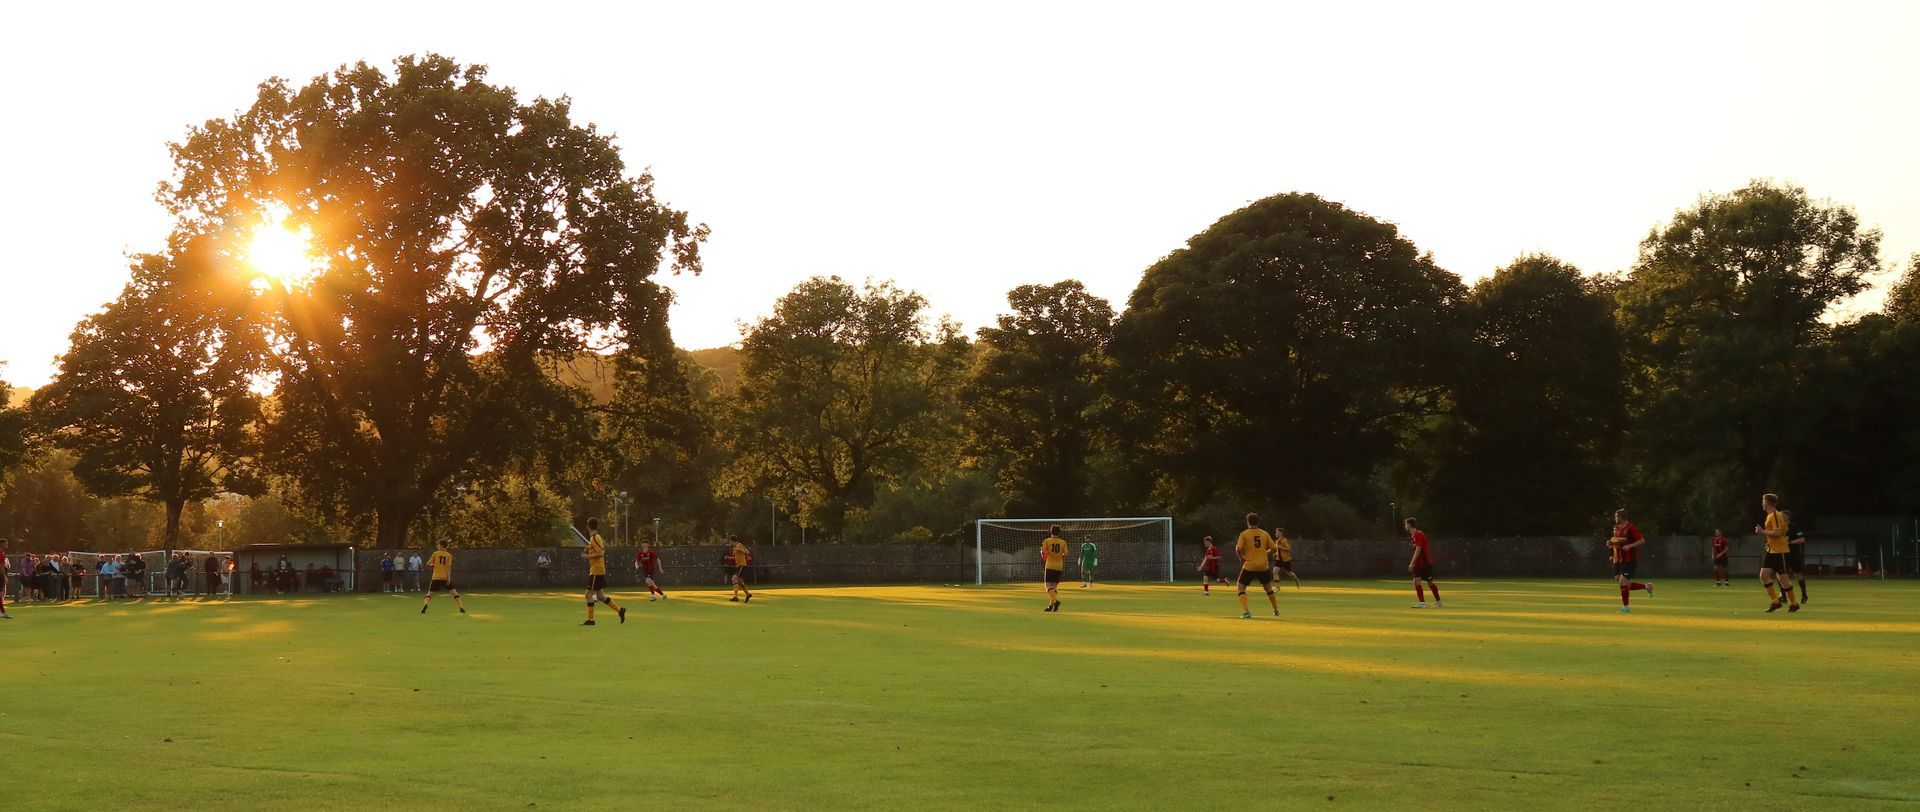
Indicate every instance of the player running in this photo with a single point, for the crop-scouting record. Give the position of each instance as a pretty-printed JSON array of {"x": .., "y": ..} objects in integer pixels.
[
  {"x": 1773, "y": 567},
  {"x": 1721, "y": 575},
  {"x": 1421, "y": 565},
  {"x": 1089, "y": 558},
  {"x": 1796, "y": 556},
  {"x": 647, "y": 563},
  {"x": 596, "y": 556},
  {"x": 442, "y": 564},
  {"x": 1255, "y": 549},
  {"x": 742, "y": 558},
  {"x": 1209, "y": 566},
  {"x": 1626, "y": 543},
  {"x": 1053, "y": 554},
  {"x": 1283, "y": 559}
]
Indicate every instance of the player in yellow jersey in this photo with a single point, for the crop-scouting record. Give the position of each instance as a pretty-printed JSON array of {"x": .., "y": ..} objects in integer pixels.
[
  {"x": 1255, "y": 549},
  {"x": 1053, "y": 553},
  {"x": 596, "y": 556},
  {"x": 442, "y": 563},
  {"x": 1283, "y": 554},
  {"x": 1773, "y": 567},
  {"x": 737, "y": 571}
]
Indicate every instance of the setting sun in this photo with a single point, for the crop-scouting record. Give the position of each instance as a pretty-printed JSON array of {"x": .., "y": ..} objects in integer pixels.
[{"x": 280, "y": 255}]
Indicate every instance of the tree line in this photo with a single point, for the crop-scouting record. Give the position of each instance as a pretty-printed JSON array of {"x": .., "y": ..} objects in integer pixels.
[{"x": 481, "y": 354}]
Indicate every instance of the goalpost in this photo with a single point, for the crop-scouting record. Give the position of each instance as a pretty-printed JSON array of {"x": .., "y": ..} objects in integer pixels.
[{"x": 1135, "y": 548}]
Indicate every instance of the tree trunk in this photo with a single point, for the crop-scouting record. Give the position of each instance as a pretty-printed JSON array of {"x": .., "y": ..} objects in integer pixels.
[
  {"x": 171, "y": 537},
  {"x": 395, "y": 516}
]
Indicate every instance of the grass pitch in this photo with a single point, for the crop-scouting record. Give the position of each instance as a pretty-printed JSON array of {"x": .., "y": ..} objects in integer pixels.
[{"x": 1519, "y": 694}]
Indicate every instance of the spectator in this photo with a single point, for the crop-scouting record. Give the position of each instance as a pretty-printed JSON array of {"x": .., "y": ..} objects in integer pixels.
[
  {"x": 137, "y": 574},
  {"x": 310, "y": 579},
  {"x": 254, "y": 576},
  {"x": 120, "y": 575},
  {"x": 413, "y": 572},
  {"x": 227, "y": 576},
  {"x": 543, "y": 568},
  {"x": 283, "y": 578},
  {"x": 386, "y": 572},
  {"x": 211, "y": 566},
  {"x": 726, "y": 566},
  {"x": 69, "y": 575},
  {"x": 5, "y": 568},
  {"x": 108, "y": 569}
]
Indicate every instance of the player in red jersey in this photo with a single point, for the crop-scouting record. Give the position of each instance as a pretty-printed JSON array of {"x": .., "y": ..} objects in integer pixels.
[
  {"x": 647, "y": 563},
  {"x": 1721, "y": 575},
  {"x": 1626, "y": 543},
  {"x": 1209, "y": 566},
  {"x": 1421, "y": 565}
]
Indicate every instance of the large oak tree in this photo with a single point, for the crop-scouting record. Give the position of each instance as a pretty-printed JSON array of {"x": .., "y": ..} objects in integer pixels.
[
  {"x": 465, "y": 241},
  {"x": 841, "y": 390},
  {"x": 1031, "y": 394},
  {"x": 153, "y": 397},
  {"x": 1283, "y": 352},
  {"x": 1723, "y": 318}
]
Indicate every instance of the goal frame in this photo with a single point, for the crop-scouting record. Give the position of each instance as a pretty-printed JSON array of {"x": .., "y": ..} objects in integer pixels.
[{"x": 979, "y": 535}]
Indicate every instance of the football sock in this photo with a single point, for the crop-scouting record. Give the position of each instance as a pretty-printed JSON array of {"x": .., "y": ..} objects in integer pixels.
[
  {"x": 1419, "y": 592},
  {"x": 1436, "y": 589},
  {"x": 1624, "y": 591},
  {"x": 1771, "y": 594}
]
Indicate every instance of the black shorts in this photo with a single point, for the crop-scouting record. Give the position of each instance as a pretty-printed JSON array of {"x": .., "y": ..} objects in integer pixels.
[
  {"x": 1720, "y": 561},
  {"x": 1776, "y": 562},
  {"x": 1212, "y": 570},
  {"x": 438, "y": 585},
  {"x": 1053, "y": 576},
  {"x": 739, "y": 572},
  {"x": 1624, "y": 568},
  {"x": 1423, "y": 571},
  {"x": 1796, "y": 557},
  {"x": 1265, "y": 577},
  {"x": 595, "y": 583},
  {"x": 1285, "y": 565},
  {"x": 650, "y": 574},
  {"x": 386, "y": 576}
]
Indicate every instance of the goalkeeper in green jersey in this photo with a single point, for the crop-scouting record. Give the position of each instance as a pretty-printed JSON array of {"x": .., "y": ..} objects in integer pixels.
[{"x": 1089, "y": 558}]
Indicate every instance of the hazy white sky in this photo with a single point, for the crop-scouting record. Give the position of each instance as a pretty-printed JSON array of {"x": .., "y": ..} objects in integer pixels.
[{"x": 966, "y": 148}]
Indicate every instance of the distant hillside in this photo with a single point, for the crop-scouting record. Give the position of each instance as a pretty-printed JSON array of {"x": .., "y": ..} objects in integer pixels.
[{"x": 723, "y": 362}]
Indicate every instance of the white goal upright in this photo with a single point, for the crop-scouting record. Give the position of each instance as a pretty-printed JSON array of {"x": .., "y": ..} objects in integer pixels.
[{"x": 1134, "y": 548}]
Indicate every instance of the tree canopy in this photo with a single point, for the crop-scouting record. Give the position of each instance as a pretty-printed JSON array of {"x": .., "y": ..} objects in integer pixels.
[
  {"x": 461, "y": 238},
  {"x": 153, "y": 394},
  {"x": 1281, "y": 353},
  {"x": 840, "y": 390}
]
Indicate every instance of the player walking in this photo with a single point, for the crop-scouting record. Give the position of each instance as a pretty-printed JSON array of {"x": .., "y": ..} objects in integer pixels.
[
  {"x": 1796, "y": 556},
  {"x": 647, "y": 563},
  {"x": 1421, "y": 565},
  {"x": 1209, "y": 566},
  {"x": 1089, "y": 558},
  {"x": 742, "y": 558},
  {"x": 596, "y": 556},
  {"x": 1053, "y": 557},
  {"x": 1721, "y": 575},
  {"x": 1283, "y": 549},
  {"x": 1626, "y": 543},
  {"x": 1255, "y": 549},
  {"x": 1774, "y": 566},
  {"x": 441, "y": 562}
]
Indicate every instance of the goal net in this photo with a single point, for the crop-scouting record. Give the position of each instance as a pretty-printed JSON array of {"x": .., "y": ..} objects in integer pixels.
[{"x": 1129, "y": 549}]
